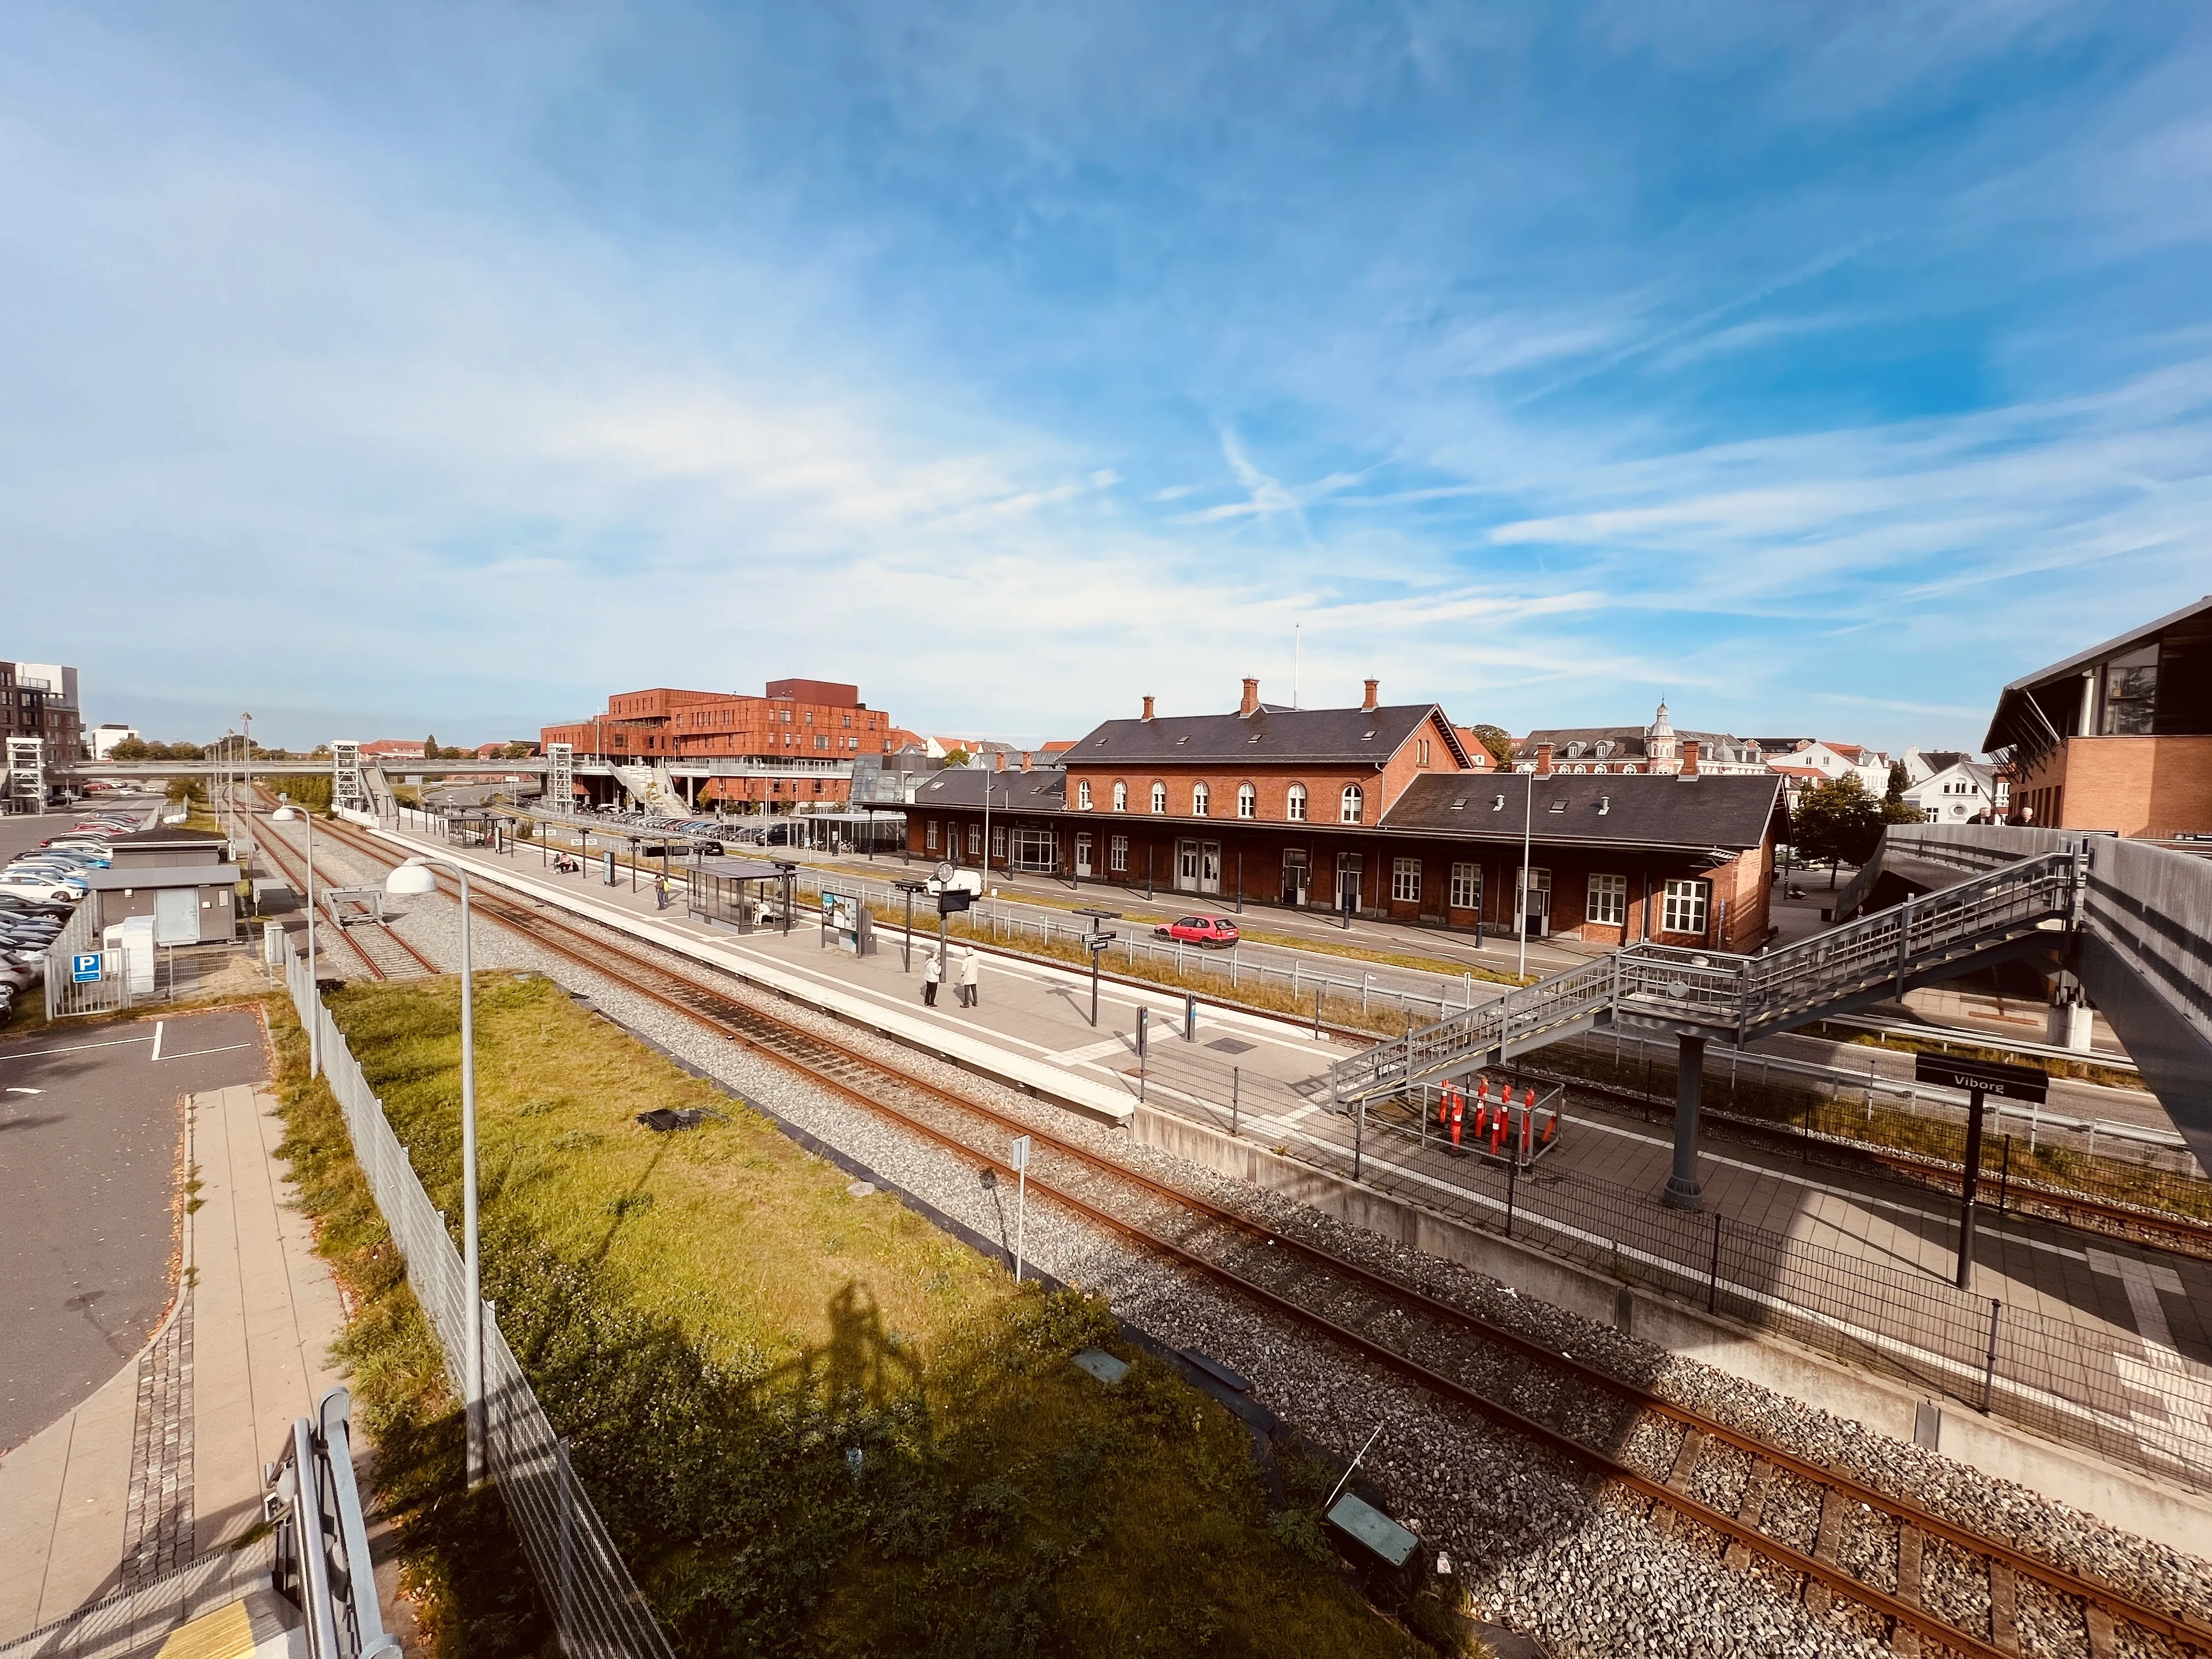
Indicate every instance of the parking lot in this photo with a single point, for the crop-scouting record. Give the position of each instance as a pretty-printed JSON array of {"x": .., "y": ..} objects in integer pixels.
[
  {"x": 91, "y": 1145},
  {"x": 40, "y": 885}
]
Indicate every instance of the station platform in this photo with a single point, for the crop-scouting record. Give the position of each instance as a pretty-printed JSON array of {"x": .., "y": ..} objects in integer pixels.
[{"x": 2142, "y": 1319}]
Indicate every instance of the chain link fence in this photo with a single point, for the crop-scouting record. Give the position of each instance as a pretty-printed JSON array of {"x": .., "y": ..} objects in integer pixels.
[{"x": 597, "y": 1608}]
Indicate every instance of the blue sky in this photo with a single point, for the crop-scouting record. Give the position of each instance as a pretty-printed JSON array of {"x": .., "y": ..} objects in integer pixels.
[{"x": 389, "y": 369}]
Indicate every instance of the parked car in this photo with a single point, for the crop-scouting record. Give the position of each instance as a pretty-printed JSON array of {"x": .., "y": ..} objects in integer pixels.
[
  {"x": 43, "y": 887},
  {"x": 15, "y": 904},
  {"x": 1216, "y": 932}
]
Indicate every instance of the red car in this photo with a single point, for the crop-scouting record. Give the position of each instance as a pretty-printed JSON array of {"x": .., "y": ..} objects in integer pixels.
[{"x": 1216, "y": 931}]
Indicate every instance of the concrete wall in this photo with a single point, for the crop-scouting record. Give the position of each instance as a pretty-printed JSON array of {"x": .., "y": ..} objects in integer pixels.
[{"x": 2169, "y": 1515}]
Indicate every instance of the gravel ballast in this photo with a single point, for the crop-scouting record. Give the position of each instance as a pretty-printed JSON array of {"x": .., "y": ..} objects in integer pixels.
[{"x": 1528, "y": 1541}]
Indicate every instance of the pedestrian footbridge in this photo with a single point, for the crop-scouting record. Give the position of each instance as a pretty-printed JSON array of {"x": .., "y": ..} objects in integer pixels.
[{"x": 2131, "y": 921}]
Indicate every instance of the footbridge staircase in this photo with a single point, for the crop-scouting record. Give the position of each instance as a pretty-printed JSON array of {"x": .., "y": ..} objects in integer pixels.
[
  {"x": 2133, "y": 922},
  {"x": 2015, "y": 910}
]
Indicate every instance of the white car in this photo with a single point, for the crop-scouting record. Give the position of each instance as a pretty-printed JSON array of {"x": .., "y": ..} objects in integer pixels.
[{"x": 44, "y": 888}]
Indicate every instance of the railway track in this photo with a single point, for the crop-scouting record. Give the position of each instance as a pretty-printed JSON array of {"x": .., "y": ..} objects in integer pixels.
[
  {"x": 1761, "y": 1506},
  {"x": 383, "y": 953}
]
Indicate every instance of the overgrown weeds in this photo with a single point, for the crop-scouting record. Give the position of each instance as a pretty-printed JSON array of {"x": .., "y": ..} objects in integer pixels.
[{"x": 813, "y": 1423}]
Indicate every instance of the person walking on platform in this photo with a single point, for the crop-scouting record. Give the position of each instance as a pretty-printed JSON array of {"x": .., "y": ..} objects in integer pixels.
[
  {"x": 971, "y": 976},
  {"x": 933, "y": 972},
  {"x": 660, "y": 893}
]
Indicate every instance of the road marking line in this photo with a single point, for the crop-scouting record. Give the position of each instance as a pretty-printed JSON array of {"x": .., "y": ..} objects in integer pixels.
[
  {"x": 26, "y": 1092},
  {"x": 34, "y": 1053},
  {"x": 159, "y": 1026},
  {"x": 226, "y": 1049}
]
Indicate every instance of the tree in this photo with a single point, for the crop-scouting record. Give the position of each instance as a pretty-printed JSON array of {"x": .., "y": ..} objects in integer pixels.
[
  {"x": 1837, "y": 823},
  {"x": 430, "y": 750},
  {"x": 184, "y": 751},
  {"x": 956, "y": 757},
  {"x": 1895, "y": 809},
  {"x": 520, "y": 750},
  {"x": 1498, "y": 741},
  {"x": 131, "y": 749}
]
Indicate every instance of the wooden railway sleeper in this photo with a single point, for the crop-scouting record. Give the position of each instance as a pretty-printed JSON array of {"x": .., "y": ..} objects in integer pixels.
[
  {"x": 1753, "y": 1506},
  {"x": 1741, "y": 1530}
]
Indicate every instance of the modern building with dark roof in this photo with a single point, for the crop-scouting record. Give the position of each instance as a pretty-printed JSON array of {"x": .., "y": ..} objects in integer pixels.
[
  {"x": 2116, "y": 738},
  {"x": 1380, "y": 809}
]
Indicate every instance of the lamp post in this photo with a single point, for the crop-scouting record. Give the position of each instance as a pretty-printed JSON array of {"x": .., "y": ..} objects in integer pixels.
[
  {"x": 413, "y": 879},
  {"x": 315, "y": 1026}
]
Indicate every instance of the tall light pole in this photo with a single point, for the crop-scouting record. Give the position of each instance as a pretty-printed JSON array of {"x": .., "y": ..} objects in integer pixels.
[
  {"x": 246, "y": 748},
  {"x": 414, "y": 879},
  {"x": 315, "y": 1029}
]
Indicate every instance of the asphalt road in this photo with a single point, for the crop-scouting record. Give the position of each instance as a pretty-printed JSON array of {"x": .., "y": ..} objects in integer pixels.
[{"x": 91, "y": 1136}]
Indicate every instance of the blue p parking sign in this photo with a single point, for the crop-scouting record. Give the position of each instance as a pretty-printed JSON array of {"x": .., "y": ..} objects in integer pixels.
[{"x": 84, "y": 968}]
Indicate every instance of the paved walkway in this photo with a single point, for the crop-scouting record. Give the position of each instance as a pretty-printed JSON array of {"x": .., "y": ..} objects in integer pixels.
[
  {"x": 163, "y": 1462},
  {"x": 2155, "y": 1310}
]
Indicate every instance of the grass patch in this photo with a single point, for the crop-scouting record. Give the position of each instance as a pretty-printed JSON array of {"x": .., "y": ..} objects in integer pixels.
[{"x": 717, "y": 1325}]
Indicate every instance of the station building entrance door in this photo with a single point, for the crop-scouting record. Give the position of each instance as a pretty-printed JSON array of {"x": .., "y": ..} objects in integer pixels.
[{"x": 1198, "y": 866}]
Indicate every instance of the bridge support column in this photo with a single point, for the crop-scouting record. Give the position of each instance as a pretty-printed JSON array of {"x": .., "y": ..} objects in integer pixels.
[{"x": 1682, "y": 1191}]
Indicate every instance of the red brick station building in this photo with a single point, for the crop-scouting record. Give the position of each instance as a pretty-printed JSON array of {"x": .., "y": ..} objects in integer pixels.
[{"x": 1384, "y": 807}]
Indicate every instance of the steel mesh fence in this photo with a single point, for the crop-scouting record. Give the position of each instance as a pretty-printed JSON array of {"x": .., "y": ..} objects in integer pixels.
[{"x": 597, "y": 1608}]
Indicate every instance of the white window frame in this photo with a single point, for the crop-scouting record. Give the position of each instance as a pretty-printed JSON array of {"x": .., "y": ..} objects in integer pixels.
[
  {"x": 1352, "y": 804},
  {"x": 1467, "y": 887},
  {"x": 1201, "y": 800},
  {"x": 998, "y": 843},
  {"x": 1248, "y": 801},
  {"x": 1686, "y": 904},
  {"x": 1295, "y": 804},
  {"x": 1120, "y": 795},
  {"x": 929, "y": 836},
  {"x": 975, "y": 840},
  {"x": 1083, "y": 794},
  {"x": 1117, "y": 855},
  {"x": 1405, "y": 881},
  {"x": 1159, "y": 798},
  {"x": 1608, "y": 902}
]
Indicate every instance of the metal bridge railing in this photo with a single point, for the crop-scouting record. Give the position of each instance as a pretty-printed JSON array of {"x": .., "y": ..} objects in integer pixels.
[{"x": 1732, "y": 996}]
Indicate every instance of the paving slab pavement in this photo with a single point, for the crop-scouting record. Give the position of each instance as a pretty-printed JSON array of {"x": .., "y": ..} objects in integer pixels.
[{"x": 162, "y": 1461}]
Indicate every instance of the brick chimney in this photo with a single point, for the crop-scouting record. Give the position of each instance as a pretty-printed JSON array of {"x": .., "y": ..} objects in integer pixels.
[
  {"x": 1689, "y": 758},
  {"x": 1148, "y": 708},
  {"x": 1026, "y": 760},
  {"x": 998, "y": 760},
  {"x": 1543, "y": 760},
  {"x": 1368, "y": 706},
  {"x": 1251, "y": 702}
]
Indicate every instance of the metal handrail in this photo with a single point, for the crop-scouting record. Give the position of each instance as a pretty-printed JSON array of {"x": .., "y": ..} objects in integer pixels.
[{"x": 1734, "y": 995}]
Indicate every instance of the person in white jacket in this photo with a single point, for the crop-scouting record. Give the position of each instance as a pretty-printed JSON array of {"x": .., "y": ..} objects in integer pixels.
[
  {"x": 971, "y": 977},
  {"x": 932, "y": 973}
]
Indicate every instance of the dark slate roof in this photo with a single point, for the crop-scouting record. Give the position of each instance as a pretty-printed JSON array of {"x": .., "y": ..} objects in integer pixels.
[
  {"x": 1718, "y": 813},
  {"x": 176, "y": 837},
  {"x": 161, "y": 875},
  {"x": 1284, "y": 736},
  {"x": 1013, "y": 790},
  {"x": 1943, "y": 760}
]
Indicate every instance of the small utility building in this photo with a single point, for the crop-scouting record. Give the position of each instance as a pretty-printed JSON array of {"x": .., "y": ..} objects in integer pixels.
[{"x": 183, "y": 879}]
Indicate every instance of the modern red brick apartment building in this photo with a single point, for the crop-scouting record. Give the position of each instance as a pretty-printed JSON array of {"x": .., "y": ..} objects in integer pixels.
[
  {"x": 1380, "y": 806},
  {"x": 794, "y": 744},
  {"x": 2117, "y": 737}
]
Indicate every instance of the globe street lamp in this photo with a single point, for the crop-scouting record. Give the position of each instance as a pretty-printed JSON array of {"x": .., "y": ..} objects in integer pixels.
[{"x": 413, "y": 879}]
